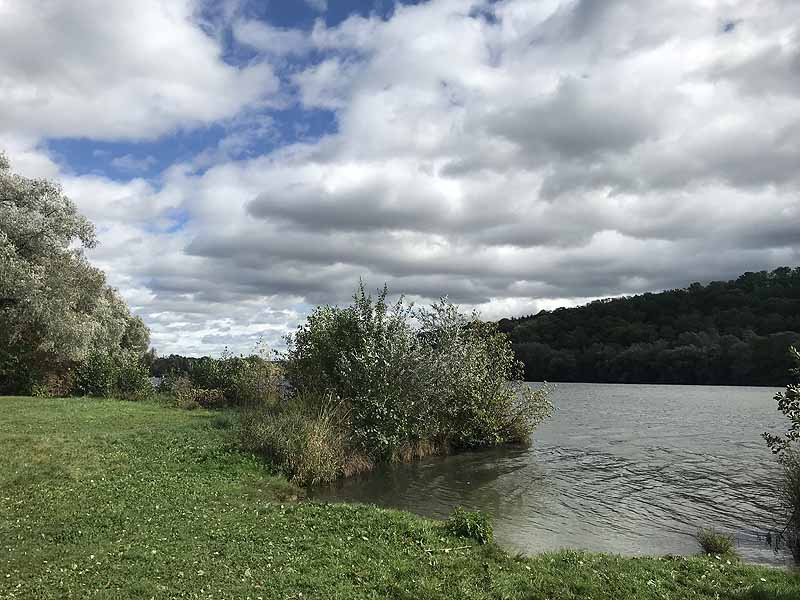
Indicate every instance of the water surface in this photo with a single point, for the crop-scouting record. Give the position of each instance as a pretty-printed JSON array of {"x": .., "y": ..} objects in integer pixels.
[{"x": 631, "y": 469}]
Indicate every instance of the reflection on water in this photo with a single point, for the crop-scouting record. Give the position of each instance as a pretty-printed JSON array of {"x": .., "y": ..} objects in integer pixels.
[{"x": 632, "y": 469}]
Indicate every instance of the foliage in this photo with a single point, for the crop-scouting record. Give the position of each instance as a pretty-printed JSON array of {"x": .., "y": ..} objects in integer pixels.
[
  {"x": 231, "y": 379},
  {"x": 304, "y": 439},
  {"x": 723, "y": 333},
  {"x": 187, "y": 396},
  {"x": 133, "y": 377},
  {"x": 55, "y": 307},
  {"x": 54, "y": 385},
  {"x": 122, "y": 374},
  {"x": 476, "y": 396},
  {"x": 787, "y": 447},
  {"x": 475, "y": 525},
  {"x": 429, "y": 378},
  {"x": 790, "y": 496},
  {"x": 789, "y": 404},
  {"x": 96, "y": 375},
  {"x": 137, "y": 500},
  {"x": 716, "y": 543}
]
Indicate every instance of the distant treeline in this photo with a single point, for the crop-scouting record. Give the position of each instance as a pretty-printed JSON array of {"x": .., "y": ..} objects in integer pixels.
[
  {"x": 190, "y": 366},
  {"x": 725, "y": 333}
]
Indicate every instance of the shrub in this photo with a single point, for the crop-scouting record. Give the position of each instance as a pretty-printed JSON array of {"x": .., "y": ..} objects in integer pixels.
[
  {"x": 96, "y": 375},
  {"x": 364, "y": 354},
  {"x": 54, "y": 385},
  {"x": 226, "y": 381},
  {"x": 414, "y": 380},
  {"x": 787, "y": 448},
  {"x": 123, "y": 374},
  {"x": 189, "y": 397},
  {"x": 477, "y": 396},
  {"x": 224, "y": 420},
  {"x": 208, "y": 398},
  {"x": 306, "y": 443},
  {"x": 475, "y": 525},
  {"x": 713, "y": 542},
  {"x": 254, "y": 380},
  {"x": 790, "y": 497},
  {"x": 132, "y": 377}
]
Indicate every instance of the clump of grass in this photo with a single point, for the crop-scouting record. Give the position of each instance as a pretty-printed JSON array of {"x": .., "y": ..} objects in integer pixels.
[
  {"x": 302, "y": 437},
  {"x": 475, "y": 525},
  {"x": 409, "y": 451},
  {"x": 223, "y": 420},
  {"x": 714, "y": 542}
]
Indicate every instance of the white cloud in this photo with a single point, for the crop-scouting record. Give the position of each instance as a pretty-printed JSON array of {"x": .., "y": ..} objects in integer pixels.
[
  {"x": 271, "y": 40},
  {"x": 116, "y": 70},
  {"x": 318, "y": 5},
  {"x": 513, "y": 155},
  {"x": 129, "y": 162}
]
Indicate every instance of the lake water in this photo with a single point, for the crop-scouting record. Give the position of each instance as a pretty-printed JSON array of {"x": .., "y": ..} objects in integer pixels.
[{"x": 630, "y": 469}]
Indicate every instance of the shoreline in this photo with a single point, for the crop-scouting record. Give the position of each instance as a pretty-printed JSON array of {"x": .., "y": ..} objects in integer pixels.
[{"x": 118, "y": 499}]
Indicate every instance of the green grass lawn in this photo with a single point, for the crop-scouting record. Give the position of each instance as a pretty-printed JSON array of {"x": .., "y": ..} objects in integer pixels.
[{"x": 108, "y": 499}]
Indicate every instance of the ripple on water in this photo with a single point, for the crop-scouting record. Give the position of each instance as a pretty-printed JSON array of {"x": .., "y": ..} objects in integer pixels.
[{"x": 620, "y": 468}]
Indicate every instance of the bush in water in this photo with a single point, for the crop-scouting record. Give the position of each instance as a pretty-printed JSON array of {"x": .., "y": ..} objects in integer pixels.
[
  {"x": 414, "y": 381},
  {"x": 305, "y": 438}
]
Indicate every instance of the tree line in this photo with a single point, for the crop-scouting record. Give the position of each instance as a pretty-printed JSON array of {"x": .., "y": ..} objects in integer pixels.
[{"x": 734, "y": 332}]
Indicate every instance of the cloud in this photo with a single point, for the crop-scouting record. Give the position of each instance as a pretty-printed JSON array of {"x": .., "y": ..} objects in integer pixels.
[
  {"x": 512, "y": 155},
  {"x": 129, "y": 162},
  {"x": 318, "y": 5},
  {"x": 111, "y": 71},
  {"x": 271, "y": 40}
]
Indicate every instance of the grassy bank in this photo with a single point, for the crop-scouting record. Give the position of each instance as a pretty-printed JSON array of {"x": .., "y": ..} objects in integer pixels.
[{"x": 108, "y": 499}]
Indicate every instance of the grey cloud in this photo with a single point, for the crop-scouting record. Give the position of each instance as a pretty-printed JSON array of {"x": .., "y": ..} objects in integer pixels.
[
  {"x": 576, "y": 121},
  {"x": 773, "y": 70},
  {"x": 554, "y": 152}
]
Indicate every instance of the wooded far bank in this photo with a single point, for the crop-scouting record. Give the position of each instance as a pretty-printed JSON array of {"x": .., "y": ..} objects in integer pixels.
[{"x": 724, "y": 333}]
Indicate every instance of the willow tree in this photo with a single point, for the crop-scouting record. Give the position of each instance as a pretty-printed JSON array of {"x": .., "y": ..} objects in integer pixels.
[{"x": 55, "y": 307}]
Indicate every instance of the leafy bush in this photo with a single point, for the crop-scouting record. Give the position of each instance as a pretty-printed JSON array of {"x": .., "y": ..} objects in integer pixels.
[
  {"x": 415, "y": 379},
  {"x": 713, "y": 542},
  {"x": 789, "y": 404},
  {"x": 189, "y": 397},
  {"x": 479, "y": 398},
  {"x": 229, "y": 380},
  {"x": 475, "y": 525},
  {"x": 254, "y": 380},
  {"x": 790, "y": 496},
  {"x": 223, "y": 420},
  {"x": 96, "y": 375},
  {"x": 787, "y": 448},
  {"x": 132, "y": 377},
  {"x": 54, "y": 385},
  {"x": 123, "y": 374}
]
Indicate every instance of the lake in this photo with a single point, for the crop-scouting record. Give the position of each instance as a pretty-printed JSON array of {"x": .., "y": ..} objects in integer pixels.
[{"x": 629, "y": 469}]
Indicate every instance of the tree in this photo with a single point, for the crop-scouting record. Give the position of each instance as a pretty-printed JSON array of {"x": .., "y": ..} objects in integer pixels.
[
  {"x": 55, "y": 307},
  {"x": 789, "y": 404},
  {"x": 786, "y": 447}
]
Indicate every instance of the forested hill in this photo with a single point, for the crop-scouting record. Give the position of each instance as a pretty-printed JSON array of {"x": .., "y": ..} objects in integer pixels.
[{"x": 734, "y": 333}]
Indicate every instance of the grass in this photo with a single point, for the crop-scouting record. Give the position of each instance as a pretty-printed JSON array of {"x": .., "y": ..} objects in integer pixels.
[
  {"x": 108, "y": 499},
  {"x": 714, "y": 542}
]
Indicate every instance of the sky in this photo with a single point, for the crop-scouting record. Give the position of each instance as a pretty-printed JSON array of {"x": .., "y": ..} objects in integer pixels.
[{"x": 244, "y": 161}]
